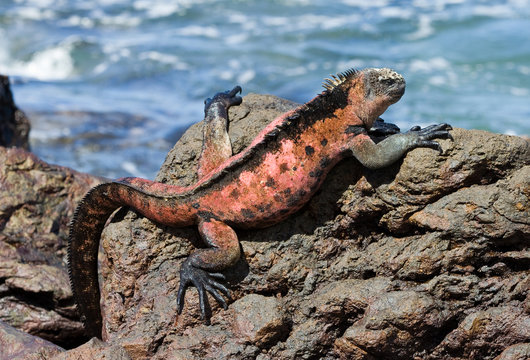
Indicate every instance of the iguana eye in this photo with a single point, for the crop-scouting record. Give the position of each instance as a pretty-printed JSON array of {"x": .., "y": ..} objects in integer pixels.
[{"x": 387, "y": 81}]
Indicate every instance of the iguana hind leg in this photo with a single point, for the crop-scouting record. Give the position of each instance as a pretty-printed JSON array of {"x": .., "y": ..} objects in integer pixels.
[
  {"x": 216, "y": 145},
  {"x": 201, "y": 269}
]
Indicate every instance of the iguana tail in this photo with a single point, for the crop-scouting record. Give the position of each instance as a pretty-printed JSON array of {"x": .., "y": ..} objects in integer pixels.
[
  {"x": 83, "y": 244},
  {"x": 89, "y": 220}
]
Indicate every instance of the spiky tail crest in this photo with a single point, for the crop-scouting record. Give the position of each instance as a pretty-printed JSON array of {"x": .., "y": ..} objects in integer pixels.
[{"x": 83, "y": 244}]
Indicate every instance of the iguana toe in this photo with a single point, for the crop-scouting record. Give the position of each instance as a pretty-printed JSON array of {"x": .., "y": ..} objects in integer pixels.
[
  {"x": 226, "y": 99},
  {"x": 205, "y": 282}
]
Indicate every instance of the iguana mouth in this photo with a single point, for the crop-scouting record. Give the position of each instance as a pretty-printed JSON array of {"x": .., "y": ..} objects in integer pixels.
[{"x": 397, "y": 91}]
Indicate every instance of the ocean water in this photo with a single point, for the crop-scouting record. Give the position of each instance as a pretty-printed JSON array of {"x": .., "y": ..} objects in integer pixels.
[{"x": 111, "y": 84}]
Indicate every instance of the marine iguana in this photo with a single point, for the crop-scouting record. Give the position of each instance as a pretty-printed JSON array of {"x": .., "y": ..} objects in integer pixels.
[{"x": 262, "y": 185}]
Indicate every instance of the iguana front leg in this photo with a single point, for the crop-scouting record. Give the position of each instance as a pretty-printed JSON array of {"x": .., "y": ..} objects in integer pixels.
[
  {"x": 391, "y": 149},
  {"x": 201, "y": 269},
  {"x": 382, "y": 128}
]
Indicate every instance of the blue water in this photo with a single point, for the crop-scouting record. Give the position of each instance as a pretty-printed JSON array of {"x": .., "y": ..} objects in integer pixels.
[{"x": 111, "y": 84}]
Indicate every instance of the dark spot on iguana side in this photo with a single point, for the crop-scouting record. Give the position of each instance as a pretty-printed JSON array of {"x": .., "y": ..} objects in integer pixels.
[{"x": 249, "y": 214}]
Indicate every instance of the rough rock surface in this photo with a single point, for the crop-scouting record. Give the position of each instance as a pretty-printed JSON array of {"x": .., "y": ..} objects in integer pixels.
[
  {"x": 427, "y": 259},
  {"x": 16, "y": 344},
  {"x": 37, "y": 201},
  {"x": 14, "y": 125}
]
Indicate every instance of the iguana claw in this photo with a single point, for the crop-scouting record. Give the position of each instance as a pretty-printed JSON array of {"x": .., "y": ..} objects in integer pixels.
[
  {"x": 428, "y": 133},
  {"x": 204, "y": 281},
  {"x": 228, "y": 98}
]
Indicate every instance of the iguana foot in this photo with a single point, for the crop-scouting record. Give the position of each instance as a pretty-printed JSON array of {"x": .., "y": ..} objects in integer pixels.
[
  {"x": 226, "y": 99},
  {"x": 204, "y": 281},
  {"x": 382, "y": 128},
  {"x": 425, "y": 135}
]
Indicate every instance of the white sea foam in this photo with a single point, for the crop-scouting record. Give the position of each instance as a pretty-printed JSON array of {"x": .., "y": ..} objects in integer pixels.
[
  {"x": 517, "y": 91},
  {"x": 425, "y": 28},
  {"x": 396, "y": 12},
  {"x": 131, "y": 168},
  {"x": 157, "y": 9},
  {"x": 309, "y": 21},
  {"x": 495, "y": 11},
  {"x": 125, "y": 20},
  {"x": 54, "y": 63},
  {"x": 34, "y": 13},
  {"x": 437, "y": 80},
  {"x": 169, "y": 59},
  {"x": 436, "y": 63},
  {"x": 197, "y": 30},
  {"x": 80, "y": 21},
  {"x": 525, "y": 70},
  {"x": 296, "y": 71},
  {"x": 365, "y": 4},
  {"x": 246, "y": 76},
  {"x": 236, "y": 39},
  {"x": 437, "y": 5}
]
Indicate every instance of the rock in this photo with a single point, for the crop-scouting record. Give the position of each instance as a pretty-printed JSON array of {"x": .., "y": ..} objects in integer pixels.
[
  {"x": 16, "y": 344},
  {"x": 482, "y": 333},
  {"x": 94, "y": 349},
  {"x": 14, "y": 125},
  {"x": 38, "y": 201},
  {"x": 384, "y": 263},
  {"x": 515, "y": 352},
  {"x": 259, "y": 320},
  {"x": 380, "y": 264},
  {"x": 426, "y": 259},
  {"x": 397, "y": 323}
]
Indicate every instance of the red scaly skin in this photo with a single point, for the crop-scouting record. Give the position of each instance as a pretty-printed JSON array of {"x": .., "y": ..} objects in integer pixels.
[{"x": 265, "y": 183}]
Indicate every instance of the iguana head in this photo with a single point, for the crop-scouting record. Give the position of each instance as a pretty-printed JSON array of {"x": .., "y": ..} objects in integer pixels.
[{"x": 369, "y": 92}]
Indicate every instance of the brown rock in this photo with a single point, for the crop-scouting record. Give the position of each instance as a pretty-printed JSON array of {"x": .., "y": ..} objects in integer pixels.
[
  {"x": 379, "y": 264},
  {"x": 94, "y": 349},
  {"x": 482, "y": 333},
  {"x": 15, "y": 344},
  {"x": 426, "y": 259},
  {"x": 37, "y": 203},
  {"x": 397, "y": 323},
  {"x": 14, "y": 125},
  {"x": 259, "y": 320},
  {"x": 515, "y": 352}
]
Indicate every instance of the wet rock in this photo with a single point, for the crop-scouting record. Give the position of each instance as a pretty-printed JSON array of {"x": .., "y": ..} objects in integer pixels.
[
  {"x": 14, "y": 125},
  {"x": 37, "y": 203}
]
